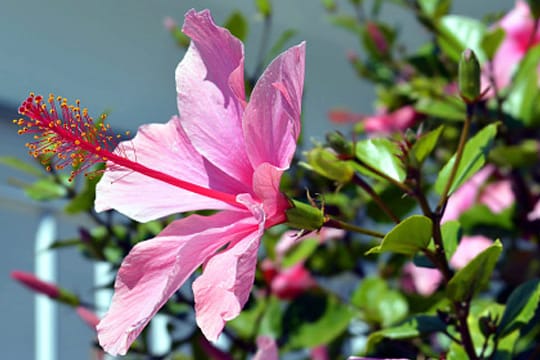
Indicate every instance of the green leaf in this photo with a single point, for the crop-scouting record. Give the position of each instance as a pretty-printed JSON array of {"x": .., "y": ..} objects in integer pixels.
[
  {"x": 457, "y": 33},
  {"x": 271, "y": 321},
  {"x": 527, "y": 66},
  {"x": 84, "y": 200},
  {"x": 347, "y": 22},
  {"x": 280, "y": 44},
  {"x": 326, "y": 163},
  {"x": 408, "y": 237},
  {"x": 481, "y": 215},
  {"x": 435, "y": 8},
  {"x": 451, "y": 108},
  {"x": 491, "y": 41},
  {"x": 45, "y": 189},
  {"x": 475, "y": 275},
  {"x": 520, "y": 307},
  {"x": 329, "y": 5},
  {"x": 474, "y": 157},
  {"x": 237, "y": 25},
  {"x": 379, "y": 304},
  {"x": 523, "y": 154},
  {"x": 300, "y": 252},
  {"x": 451, "y": 233},
  {"x": 17, "y": 164},
  {"x": 380, "y": 154},
  {"x": 522, "y": 102},
  {"x": 315, "y": 319},
  {"x": 425, "y": 144},
  {"x": 65, "y": 243},
  {"x": 394, "y": 200},
  {"x": 412, "y": 328},
  {"x": 245, "y": 324},
  {"x": 264, "y": 7}
]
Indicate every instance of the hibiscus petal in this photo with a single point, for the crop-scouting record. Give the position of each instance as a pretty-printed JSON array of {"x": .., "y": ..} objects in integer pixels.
[
  {"x": 266, "y": 181},
  {"x": 166, "y": 148},
  {"x": 266, "y": 349},
  {"x": 272, "y": 117},
  {"x": 155, "y": 269},
  {"x": 224, "y": 287},
  {"x": 210, "y": 86}
]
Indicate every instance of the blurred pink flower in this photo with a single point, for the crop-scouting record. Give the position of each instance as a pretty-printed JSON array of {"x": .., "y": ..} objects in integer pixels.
[
  {"x": 287, "y": 283},
  {"x": 222, "y": 153},
  {"x": 34, "y": 283},
  {"x": 425, "y": 281},
  {"x": 518, "y": 25},
  {"x": 421, "y": 280},
  {"x": 535, "y": 213},
  {"x": 319, "y": 353},
  {"x": 343, "y": 116},
  {"x": 389, "y": 122},
  {"x": 266, "y": 349},
  {"x": 497, "y": 196},
  {"x": 383, "y": 122},
  {"x": 468, "y": 248}
]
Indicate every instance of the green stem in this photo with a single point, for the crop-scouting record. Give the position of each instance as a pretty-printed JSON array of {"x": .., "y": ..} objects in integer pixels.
[
  {"x": 400, "y": 185},
  {"x": 376, "y": 198},
  {"x": 350, "y": 227},
  {"x": 459, "y": 155}
]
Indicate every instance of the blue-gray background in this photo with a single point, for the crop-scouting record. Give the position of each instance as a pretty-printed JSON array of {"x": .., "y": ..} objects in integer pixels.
[{"x": 115, "y": 55}]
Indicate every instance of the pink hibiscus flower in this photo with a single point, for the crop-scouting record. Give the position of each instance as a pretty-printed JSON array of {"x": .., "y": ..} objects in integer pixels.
[
  {"x": 219, "y": 142},
  {"x": 221, "y": 153},
  {"x": 518, "y": 25}
]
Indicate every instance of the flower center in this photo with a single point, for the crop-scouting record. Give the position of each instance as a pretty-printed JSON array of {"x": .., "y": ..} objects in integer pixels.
[{"x": 70, "y": 134}]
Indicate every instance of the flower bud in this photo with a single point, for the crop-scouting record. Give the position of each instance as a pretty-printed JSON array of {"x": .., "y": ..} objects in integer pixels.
[
  {"x": 33, "y": 283},
  {"x": 339, "y": 144},
  {"x": 469, "y": 76},
  {"x": 326, "y": 163},
  {"x": 46, "y": 288},
  {"x": 304, "y": 216},
  {"x": 88, "y": 316}
]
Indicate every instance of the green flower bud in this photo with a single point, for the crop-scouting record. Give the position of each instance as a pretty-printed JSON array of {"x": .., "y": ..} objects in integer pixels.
[
  {"x": 337, "y": 141},
  {"x": 469, "y": 76},
  {"x": 326, "y": 163},
  {"x": 304, "y": 216}
]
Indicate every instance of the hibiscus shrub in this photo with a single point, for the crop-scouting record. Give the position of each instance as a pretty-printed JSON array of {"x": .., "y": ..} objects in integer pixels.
[{"x": 413, "y": 233}]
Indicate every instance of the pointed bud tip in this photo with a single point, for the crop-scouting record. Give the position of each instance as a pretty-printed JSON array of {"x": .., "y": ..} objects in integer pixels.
[{"x": 469, "y": 76}]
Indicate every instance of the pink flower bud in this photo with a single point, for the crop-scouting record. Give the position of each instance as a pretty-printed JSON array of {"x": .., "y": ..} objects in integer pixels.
[
  {"x": 389, "y": 122},
  {"x": 377, "y": 37},
  {"x": 88, "y": 316},
  {"x": 32, "y": 282},
  {"x": 341, "y": 116}
]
